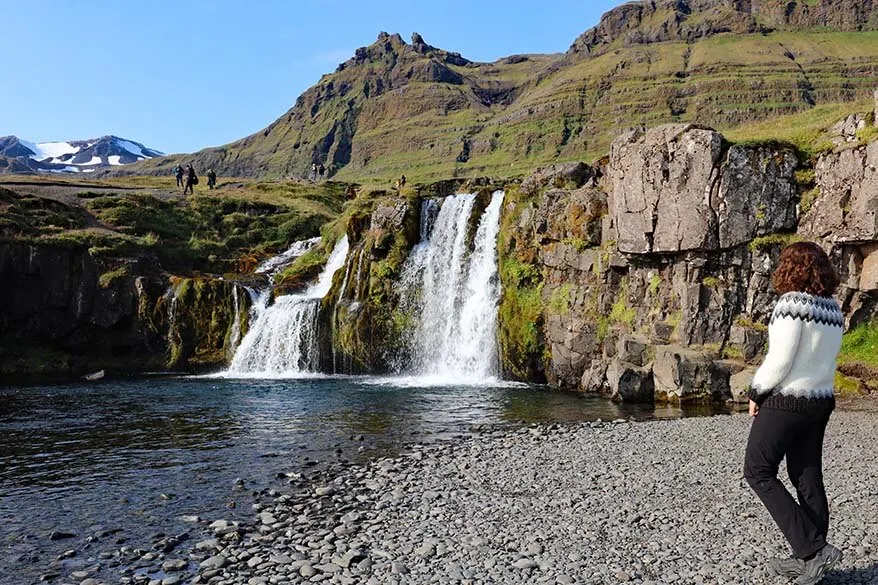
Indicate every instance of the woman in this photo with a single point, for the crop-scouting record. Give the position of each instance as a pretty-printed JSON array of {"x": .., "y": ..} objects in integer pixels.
[{"x": 791, "y": 398}]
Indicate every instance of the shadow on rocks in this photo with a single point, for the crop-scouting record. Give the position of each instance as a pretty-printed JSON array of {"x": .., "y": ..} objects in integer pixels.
[{"x": 847, "y": 576}]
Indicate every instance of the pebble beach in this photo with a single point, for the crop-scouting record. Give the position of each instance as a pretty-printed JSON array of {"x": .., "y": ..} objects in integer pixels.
[{"x": 597, "y": 503}]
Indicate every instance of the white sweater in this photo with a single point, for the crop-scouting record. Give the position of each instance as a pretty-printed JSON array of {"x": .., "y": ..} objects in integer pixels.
[{"x": 804, "y": 338}]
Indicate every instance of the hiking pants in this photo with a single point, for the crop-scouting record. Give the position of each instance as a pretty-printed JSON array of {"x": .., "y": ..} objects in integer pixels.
[{"x": 798, "y": 436}]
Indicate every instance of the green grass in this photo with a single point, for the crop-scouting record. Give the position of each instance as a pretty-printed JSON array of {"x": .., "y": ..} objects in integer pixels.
[
  {"x": 804, "y": 130},
  {"x": 228, "y": 229},
  {"x": 763, "y": 243},
  {"x": 860, "y": 345}
]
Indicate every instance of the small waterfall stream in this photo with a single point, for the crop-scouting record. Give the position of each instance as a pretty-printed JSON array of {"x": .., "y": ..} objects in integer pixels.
[
  {"x": 282, "y": 339},
  {"x": 453, "y": 293}
]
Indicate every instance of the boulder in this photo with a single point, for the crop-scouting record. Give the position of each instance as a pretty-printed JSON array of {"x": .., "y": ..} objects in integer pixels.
[
  {"x": 739, "y": 384},
  {"x": 846, "y": 209},
  {"x": 570, "y": 175},
  {"x": 595, "y": 377},
  {"x": 684, "y": 375},
  {"x": 662, "y": 181},
  {"x": 749, "y": 340},
  {"x": 632, "y": 350},
  {"x": 757, "y": 194},
  {"x": 846, "y": 130},
  {"x": 869, "y": 270},
  {"x": 630, "y": 383}
]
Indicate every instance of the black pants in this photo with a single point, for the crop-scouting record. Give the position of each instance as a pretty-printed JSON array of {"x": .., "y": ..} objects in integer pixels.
[{"x": 797, "y": 436}]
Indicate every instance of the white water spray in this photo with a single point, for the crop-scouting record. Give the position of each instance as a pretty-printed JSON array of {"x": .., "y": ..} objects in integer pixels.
[
  {"x": 283, "y": 338},
  {"x": 454, "y": 295}
]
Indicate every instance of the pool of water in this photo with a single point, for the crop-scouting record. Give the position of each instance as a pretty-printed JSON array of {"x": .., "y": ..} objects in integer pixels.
[{"x": 118, "y": 462}]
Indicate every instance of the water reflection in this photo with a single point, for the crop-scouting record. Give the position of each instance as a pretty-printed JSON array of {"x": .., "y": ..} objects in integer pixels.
[{"x": 138, "y": 453}]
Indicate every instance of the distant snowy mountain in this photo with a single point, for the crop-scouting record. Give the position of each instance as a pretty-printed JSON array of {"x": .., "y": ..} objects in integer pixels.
[{"x": 78, "y": 156}]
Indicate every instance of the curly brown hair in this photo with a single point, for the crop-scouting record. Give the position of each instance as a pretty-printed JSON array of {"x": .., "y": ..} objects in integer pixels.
[{"x": 805, "y": 267}]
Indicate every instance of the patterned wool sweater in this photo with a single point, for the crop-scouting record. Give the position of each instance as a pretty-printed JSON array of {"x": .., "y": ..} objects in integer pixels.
[{"x": 804, "y": 338}]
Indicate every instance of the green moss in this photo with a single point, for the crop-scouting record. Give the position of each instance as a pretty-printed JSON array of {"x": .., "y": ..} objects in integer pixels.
[
  {"x": 559, "y": 301},
  {"x": 761, "y": 212},
  {"x": 107, "y": 279},
  {"x": 867, "y": 134},
  {"x": 654, "y": 284},
  {"x": 805, "y": 178},
  {"x": 577, "y": 244},
  {"x": 303, "y": 269},
  {"x": 730, "y": 352},
  {"x": 621, "y": 313},
  {"x": 847, "y": 386},
  {"x": 808, "y": 199},
  {"x": 763, "y": 243},
  {"x": 711, "y": 281},
  {"x": 860, "y": 345},
  {"x": 744, "y": 321}
]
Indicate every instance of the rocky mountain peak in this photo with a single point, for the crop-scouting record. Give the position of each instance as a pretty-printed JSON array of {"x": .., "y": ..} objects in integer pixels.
[{"x": 651, "y": 21}]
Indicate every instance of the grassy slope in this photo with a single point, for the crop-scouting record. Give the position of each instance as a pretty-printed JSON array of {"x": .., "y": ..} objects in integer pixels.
[
  {"x": 230, "y": 228},
  {"x": 560, "y": 107}
]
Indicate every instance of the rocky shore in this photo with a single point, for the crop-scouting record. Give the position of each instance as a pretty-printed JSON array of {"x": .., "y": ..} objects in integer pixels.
[{"x": 605, "y": 502}]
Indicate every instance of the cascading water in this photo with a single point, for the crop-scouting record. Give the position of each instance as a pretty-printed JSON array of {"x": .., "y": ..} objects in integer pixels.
[
  {"x": 282, "y": 340},
  {"x": 275, "y": 263},
  {"x": 454, "y": 295},
  {"x": 235, "y": 334}
]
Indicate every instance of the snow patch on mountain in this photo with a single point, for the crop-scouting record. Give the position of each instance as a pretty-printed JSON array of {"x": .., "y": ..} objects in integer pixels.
[{"x": 77, "y": 155}]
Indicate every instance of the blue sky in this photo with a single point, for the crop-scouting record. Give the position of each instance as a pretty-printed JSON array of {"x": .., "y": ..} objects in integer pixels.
[{"x": 181, "y": 76}]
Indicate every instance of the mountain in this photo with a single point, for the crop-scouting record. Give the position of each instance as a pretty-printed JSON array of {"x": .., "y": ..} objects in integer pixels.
[
  {"x": 77, "y": 156},
  {"x": 411, "y": 108}
]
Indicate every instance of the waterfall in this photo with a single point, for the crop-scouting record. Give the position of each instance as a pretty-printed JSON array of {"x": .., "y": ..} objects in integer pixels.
[
  {"x": 273, "y": 264},
  {"x": 235, "y": 334},
  {"x": 282, "y": 339},
  {"x": 453, "y": 293}
]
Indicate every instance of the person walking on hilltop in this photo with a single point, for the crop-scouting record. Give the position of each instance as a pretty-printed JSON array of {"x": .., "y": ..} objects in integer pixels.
[
  {"x": 211, "y": 179},
  {"x": 178, "y": 172},
  {"x": 191, "y": 180},
  {"x": 792, "y": 398}
]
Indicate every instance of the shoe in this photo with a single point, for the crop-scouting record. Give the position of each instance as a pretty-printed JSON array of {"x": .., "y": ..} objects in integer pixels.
[
  {"x": 819, "y": 565},
  {"x": 791, "y": 567}
]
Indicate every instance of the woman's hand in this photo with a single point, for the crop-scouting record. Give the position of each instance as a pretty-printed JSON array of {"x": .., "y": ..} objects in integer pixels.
[{"x": 754, "y": 408}]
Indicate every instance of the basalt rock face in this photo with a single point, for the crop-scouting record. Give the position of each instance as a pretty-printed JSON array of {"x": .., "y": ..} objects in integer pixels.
[
  {"x": 649, "y": 278},
  {"x": 67, "y": 312},
  {"x": 206, "y": 319},
  {"x": 655, "y": 21},
  {"x": 65, "y": 301},
  {"x": 361, "y": 329}
]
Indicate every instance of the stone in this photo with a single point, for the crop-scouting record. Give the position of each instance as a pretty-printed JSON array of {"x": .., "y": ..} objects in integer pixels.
[
  {"x": 662, "y": 181},
  {"x": 60, "y": 535},
  {"x": 307, "y": 571},
  {"x": 214, "y": 562},
  {"x": 632, "y": 349},
  {"x": 869, "y": 270},
  {"x": 630, "y": 383},
  {"x": 560, "y": 175},
  {"x": 324, "y": 491},
  {"x": 757, "y": 194},
  {"x": 172, "y": 580},
  {"x": 739, "y": 384},
  {"x": 686, "y": 375},
  {"x": 846, "y": 209},
  {"x": 174, "y": 565},
  {"x": 525, "y": 563}
]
